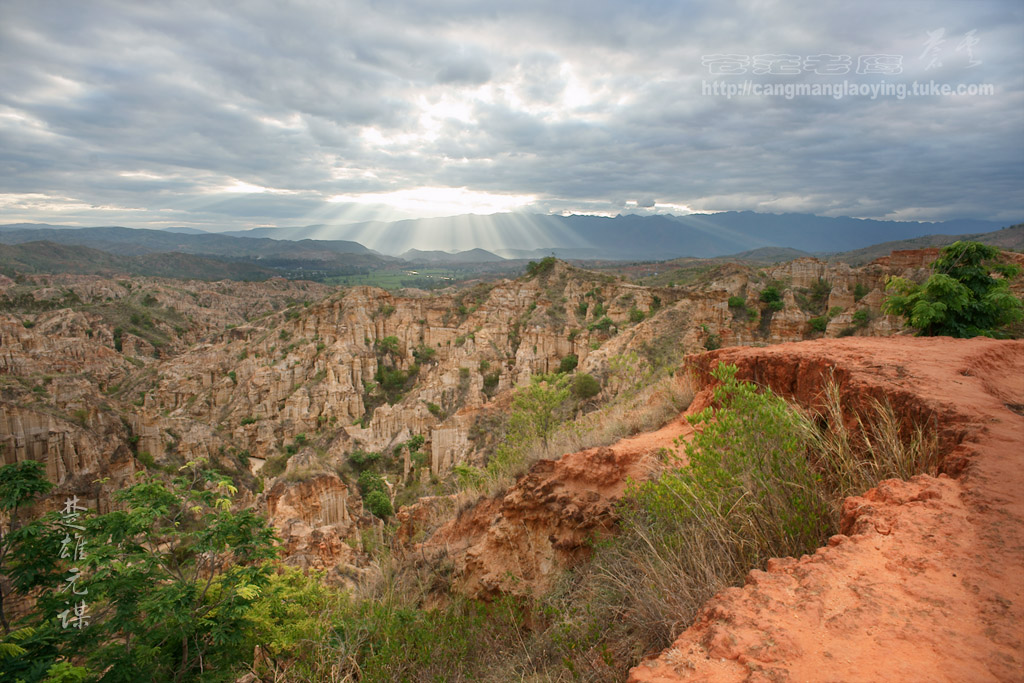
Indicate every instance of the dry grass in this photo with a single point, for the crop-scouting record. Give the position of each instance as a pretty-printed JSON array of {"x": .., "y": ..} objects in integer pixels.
[{"x": 691, "y": 534}]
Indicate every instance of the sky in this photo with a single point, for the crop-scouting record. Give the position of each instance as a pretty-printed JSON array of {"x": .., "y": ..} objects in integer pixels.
[{"x": 232, "y": 115}]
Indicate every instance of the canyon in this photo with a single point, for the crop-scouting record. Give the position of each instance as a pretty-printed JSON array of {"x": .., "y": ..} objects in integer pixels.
[{"x": 289, "y": 386}]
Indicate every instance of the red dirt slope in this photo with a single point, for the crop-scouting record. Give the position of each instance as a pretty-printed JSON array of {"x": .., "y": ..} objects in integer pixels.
[
  {"x": 926, "y": 583},
  {"x": 519, "y": 541}
]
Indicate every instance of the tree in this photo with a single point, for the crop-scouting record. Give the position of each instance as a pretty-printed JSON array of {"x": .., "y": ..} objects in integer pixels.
[
  {"x": 961, "y": 298},
  {"x": 20, "y": 484},
  {"x": 538, "y": 408},
  {"x": 171, "y": 576},
  {"x": 29, "y": 549}
]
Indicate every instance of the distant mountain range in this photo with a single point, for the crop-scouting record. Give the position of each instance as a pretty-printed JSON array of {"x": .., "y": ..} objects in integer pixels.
[
  {"x": 628, "y": 237},
  {"x": 307, "y": 253}
]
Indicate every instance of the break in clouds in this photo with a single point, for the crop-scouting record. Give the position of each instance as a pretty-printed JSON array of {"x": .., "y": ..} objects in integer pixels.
[{"x": 228, "y": 115}]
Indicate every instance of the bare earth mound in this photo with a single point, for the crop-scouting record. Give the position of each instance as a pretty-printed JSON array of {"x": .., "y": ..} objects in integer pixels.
[{"x": 926, "y": 581}]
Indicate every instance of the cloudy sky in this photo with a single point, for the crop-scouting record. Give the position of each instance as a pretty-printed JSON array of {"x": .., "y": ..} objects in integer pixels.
[{"x": 226, "y": 115}]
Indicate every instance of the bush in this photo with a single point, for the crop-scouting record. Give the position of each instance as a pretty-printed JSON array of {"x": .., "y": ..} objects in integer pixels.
[
  {"x": 362, "y": 460},
  {"x": 424, "y": 354},
  {"x": 860, "y": 291},
  {"x": 770, "y": 295},
  {"x": 371, "y": 481},
  {"x": 961, "y": 298},
  {"x": 604, "y": 324},
  {"x": 584, "y": 386},
  {"x": 568, "y": 363},
  {"x": 818, "y": 323},
  {"x": 861, "y": 318},
  {"x": 737, "y": 302},
  {"x": 378, "y": 504},
  {"x": 546, "y": 265},
  {"x": 636, "y": 315}
]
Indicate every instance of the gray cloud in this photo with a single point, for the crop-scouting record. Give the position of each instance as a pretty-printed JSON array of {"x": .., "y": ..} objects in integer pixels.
[{"x": 191, "y": 113}]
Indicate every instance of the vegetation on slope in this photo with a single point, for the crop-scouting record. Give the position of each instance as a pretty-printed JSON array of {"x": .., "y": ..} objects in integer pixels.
[{"x": 967, "y": 295}]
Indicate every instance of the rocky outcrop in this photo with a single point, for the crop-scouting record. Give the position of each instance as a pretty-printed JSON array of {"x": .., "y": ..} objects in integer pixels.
[
  {"x": 318, "y": 522},
  {"x": 518, "y": 541}
]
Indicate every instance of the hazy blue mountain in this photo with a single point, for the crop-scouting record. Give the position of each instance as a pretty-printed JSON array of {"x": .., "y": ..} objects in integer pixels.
[
  {"x": 118, "y": 240},
  {"x": 49, "y": 257},
  {"x": 470, "y": 256},
  {"x": 626, "y": 236},
  {"x": 515, "y": 236}
]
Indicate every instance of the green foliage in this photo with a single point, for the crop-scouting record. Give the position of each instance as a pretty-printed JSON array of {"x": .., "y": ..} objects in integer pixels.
[
  {"x": 961, "y": 298},
  {"x": 170, "y": 575},
  {"x": 860, "y": 291},
  {"x": 636, "y": 315},
  {"x": 371, "y": 481},
  {"x": 175, "y": 570},
  {"x": 861, "y": 318},
  {"x": 569, "y": 363},
  {"x": 536, "y": 411},
  {"x": 603, "y": 324},
  {"x": 737, "y": 302},
  {"x": 581, "y": 308},
  {"x": 251, "y": 419},
  {"x": 818, "y": 323},
  {"x": 388, "y": 346},
  {"x": 379, "y": 505},
  {"x": 546, "y": 265},
  {"x": 584, "y": 386},
  {"x": 712, "y": 342},
  {"x": 424, "y": 354},
  {"x": 770, "y": 295},
  {"x": 435, "y": 410},
  {"x": 23, "y": 557}
]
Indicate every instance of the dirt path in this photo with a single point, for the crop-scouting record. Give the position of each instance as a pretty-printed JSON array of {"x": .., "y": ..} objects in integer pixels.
[{"x": 927, "y": 581}]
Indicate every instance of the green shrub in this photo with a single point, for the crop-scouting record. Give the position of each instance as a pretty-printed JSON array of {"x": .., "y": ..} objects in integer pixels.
[
  {"x": 584, "y": 386},
  {"x": 371, "y": 481},
  {"x": 569, "y": 363},
  {"x": 424, "y": 354},
  {"x": 636, "y": 315},
  {"x": 378, "y": 504},
  {"x": 491, "y": 380},
  {"x": 860, "y": 291},
  {"x": 861, "y": 318},
  {"x": 961, "y": 298},
  {"x": 770, "y": 295},
  {"x": 818, "y": 323},
  {"x": 604, "y": 324},
  {"x": 712, "y": 342},
  {"x": 546, "y": 265},
  {"x": 737, "y": 302},
  {"x": 361, "y": 459}
]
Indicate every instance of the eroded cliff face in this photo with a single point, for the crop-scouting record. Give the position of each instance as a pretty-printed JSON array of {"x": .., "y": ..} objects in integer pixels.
[
  {"x": 923, "y": 581},
  {"x": 277, "y": 382}
]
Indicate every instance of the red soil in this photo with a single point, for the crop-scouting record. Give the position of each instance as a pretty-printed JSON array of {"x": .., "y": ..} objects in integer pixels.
[{"x": 926, "y": 582}]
